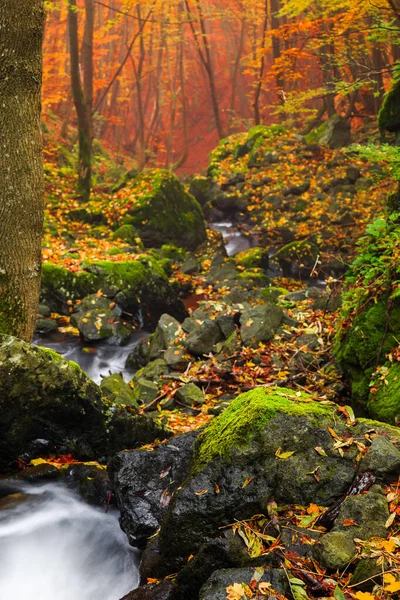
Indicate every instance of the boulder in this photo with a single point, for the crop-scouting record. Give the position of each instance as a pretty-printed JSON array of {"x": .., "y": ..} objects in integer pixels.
[
  {"x": 133, "y": 285},
  {"x": 203, "y": 338},
  {"x": 190, "y": 395},
  {"x": 152, "y": 371},
  {"x": 388, "y": 117},
  {"x": 256, "y": 257},
  {"x": 368, "y": 512},
  {"x": 46, "y": 326},
  {"x": 203, "y": 189},
  {"x": 164, "y": 212},
  {"x": 215, "y": 587},
  {"x": 381, "y": 457},
  {"x": 117, "y": 390},
  {"x": 154, "y": 591},
  {"x": 45, "y": 397},
  {"x": 177, "y": 358},
  {"x": 335, "y": 550},
  {"x": 259, "y": 324},
  {"x": 102, "y": 324},
  {"x": 139, "y": 356},
  {"x": 166, "y": 332},
  {"x": 245, "y": 443},
  {"x": 144, "y": 482},
  {"x": 337, "y": 133}
]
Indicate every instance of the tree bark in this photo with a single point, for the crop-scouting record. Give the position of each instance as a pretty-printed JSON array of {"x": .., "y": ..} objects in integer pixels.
[
  {"x": 80, "y": 101},
  {"x": 21, "y": 168}
]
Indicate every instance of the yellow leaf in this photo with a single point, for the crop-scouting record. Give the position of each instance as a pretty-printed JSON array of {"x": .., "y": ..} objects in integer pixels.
[
  {"x": 389, "y": 578},
  {"x": 286, "y": 455},
  {"x": 364, "y": 596},
  {"x": 234, "y": 592},
  {"x": 393, "y": 587},
  {"x": 320, "y": 451},
  {"x": 38, "y": 461},
  {"x": 390, "y": 520},
  {"x": 247, "y": 482}
]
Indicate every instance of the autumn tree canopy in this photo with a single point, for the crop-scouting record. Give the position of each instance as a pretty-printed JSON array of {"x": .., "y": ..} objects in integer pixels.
[{"x": 171, "y": 77}]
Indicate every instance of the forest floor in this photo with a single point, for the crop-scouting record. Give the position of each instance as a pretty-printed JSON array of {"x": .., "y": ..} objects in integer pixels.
[{"x": 331, "y": 221}]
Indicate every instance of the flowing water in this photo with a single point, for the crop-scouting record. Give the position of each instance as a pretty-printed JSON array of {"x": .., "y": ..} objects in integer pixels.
[
  {"x": 53, "y": 546},
  {"x": 235, "y": 240}
]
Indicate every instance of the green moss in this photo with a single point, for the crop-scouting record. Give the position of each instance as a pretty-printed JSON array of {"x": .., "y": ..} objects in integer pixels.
[
  {"x": 271, "y": 294},
  {"x": 315, "y": 134},
  {"x": 389, "y": 114},
  {"x": 164, "y": 212},
  {"x": 253, "y": 258},
  {"x": 246, "y": 416},
  {"x": 57, "y": 281},
  {"x": 173, "y": 252},
  {"x": 256, "y": 275},
  {"x": 384, "y": 405},
  {"x": 224, "y": 149},
  {"x": 128, "y": 234}
]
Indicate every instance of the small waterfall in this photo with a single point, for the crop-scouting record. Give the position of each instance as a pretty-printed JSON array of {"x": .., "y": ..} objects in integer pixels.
[{"x": 53, "y": 546}]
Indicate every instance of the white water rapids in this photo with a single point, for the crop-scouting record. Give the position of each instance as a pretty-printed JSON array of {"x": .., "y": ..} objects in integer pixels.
[{"x": 53, "y": 546}]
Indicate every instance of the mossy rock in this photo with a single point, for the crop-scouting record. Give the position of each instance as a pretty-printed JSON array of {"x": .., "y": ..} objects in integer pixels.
[
  {"x": 128, "y": 234},
  {"x": 139, "y": 284},
  {"x": 297, "y": 258},
  {"x": 389, "y": 114},
  {"x": 253, "y": 258},
  {"x": 384, "y": 404},
  {"x": 117, "y": 390},
  {"x": 163, "y": 212},
  {"x": 373, "y": 333},
  {"x": 203, "y": 189},
  {"x": 173, "y": 252},
  {"x": 315, "y": 134},
  {"x": 261, "y": 448},
  {"x": 224, "y": 149},
  {"x": 44, "y": 396},
  {"x": 61, "y": 287}
]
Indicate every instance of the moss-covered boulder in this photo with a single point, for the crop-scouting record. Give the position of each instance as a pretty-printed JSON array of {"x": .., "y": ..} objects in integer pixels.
[
  {"x": 117, "y": 390},
  {"x": 297, "y": 258},
  {"x": 389, "y": 114},
  {"x": 372, "y": 335},
  {"x": 261, "y": 448},
  {"x": 253, "y": 258},
  {"x": 163, "y": 212},
  {"x": 43, "y": 396},
  {"x": 203, "y": 189},
  {"x": 133, "y": 285}
]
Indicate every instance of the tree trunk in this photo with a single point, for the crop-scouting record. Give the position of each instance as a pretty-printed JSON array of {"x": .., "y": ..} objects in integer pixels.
[
  {"x": 80, "y": 101},
  {"x": 21, "y": 168},
  {"x": 256, "y": 104}
]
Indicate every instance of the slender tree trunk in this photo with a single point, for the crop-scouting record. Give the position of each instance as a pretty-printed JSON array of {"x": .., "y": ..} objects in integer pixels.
[
  {"x": 256, "y": 104},
  {"x": 21, "y": 168},
  {"x": 276, "y": 47},
  {"x": 204, "y": 50},
  {"x": 80, "y": 101}
]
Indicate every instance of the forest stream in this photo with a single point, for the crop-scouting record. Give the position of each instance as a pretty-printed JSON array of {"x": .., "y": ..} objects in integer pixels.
[{"x": 56, "y": 547}]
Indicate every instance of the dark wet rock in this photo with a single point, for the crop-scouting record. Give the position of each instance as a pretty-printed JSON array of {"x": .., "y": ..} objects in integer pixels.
[
  {"x": 381, "y": 457},
  {"x": 225, "y": 552},
  {"x": 102, "y": 324},
  {"x": 44, "y": 396},
  {"x": 227, "y": 324},
  {"x": 155, "y": 591},
  {"x": 46, "y": 326},
  {"x": 117, "y": 390},
  {"x": 144, "y": 482},
  {"x": 190, "y": 266},
  {"x": 309, "y": 340},
  {"x": 144, "y": 391},
  {"x": 38, "y": 474},
  {"x": 335, "y": 550},
  {"x": 215, "y": 588},
  {"x": 152, "y": 371},
  {"x": 190, "y": 394},
  {"x": 139, "y": 357},
  {"x": 165, "y": 334},
  {"x": 177, "y": 358},
  {"x": 241, "y": 444},
  {"x": 203, "y": 339},
  {"x": 188, "y": 325},
  {"x": 91, "y": 482},
  {"x": 370, "y": 513},
  {"x": 337, "y": 133},
  {"x": 259, "y": 324},
  {"x": 366, "y": 575}
]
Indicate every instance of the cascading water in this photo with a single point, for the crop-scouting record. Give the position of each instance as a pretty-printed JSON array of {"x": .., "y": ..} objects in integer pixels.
[{"x": 53, "y": 546}]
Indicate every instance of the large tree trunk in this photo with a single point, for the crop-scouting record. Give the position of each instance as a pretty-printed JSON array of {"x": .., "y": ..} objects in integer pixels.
[
  {"x": 82, "y": 104},
  {"x": 21, "y": 169}
]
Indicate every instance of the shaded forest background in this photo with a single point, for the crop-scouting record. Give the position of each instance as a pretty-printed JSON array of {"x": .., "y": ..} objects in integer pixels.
[{"x": 162, "y": 81}]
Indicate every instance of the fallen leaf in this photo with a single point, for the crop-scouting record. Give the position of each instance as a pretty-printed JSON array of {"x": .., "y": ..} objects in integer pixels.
[{"x": 235, "y": 592}]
